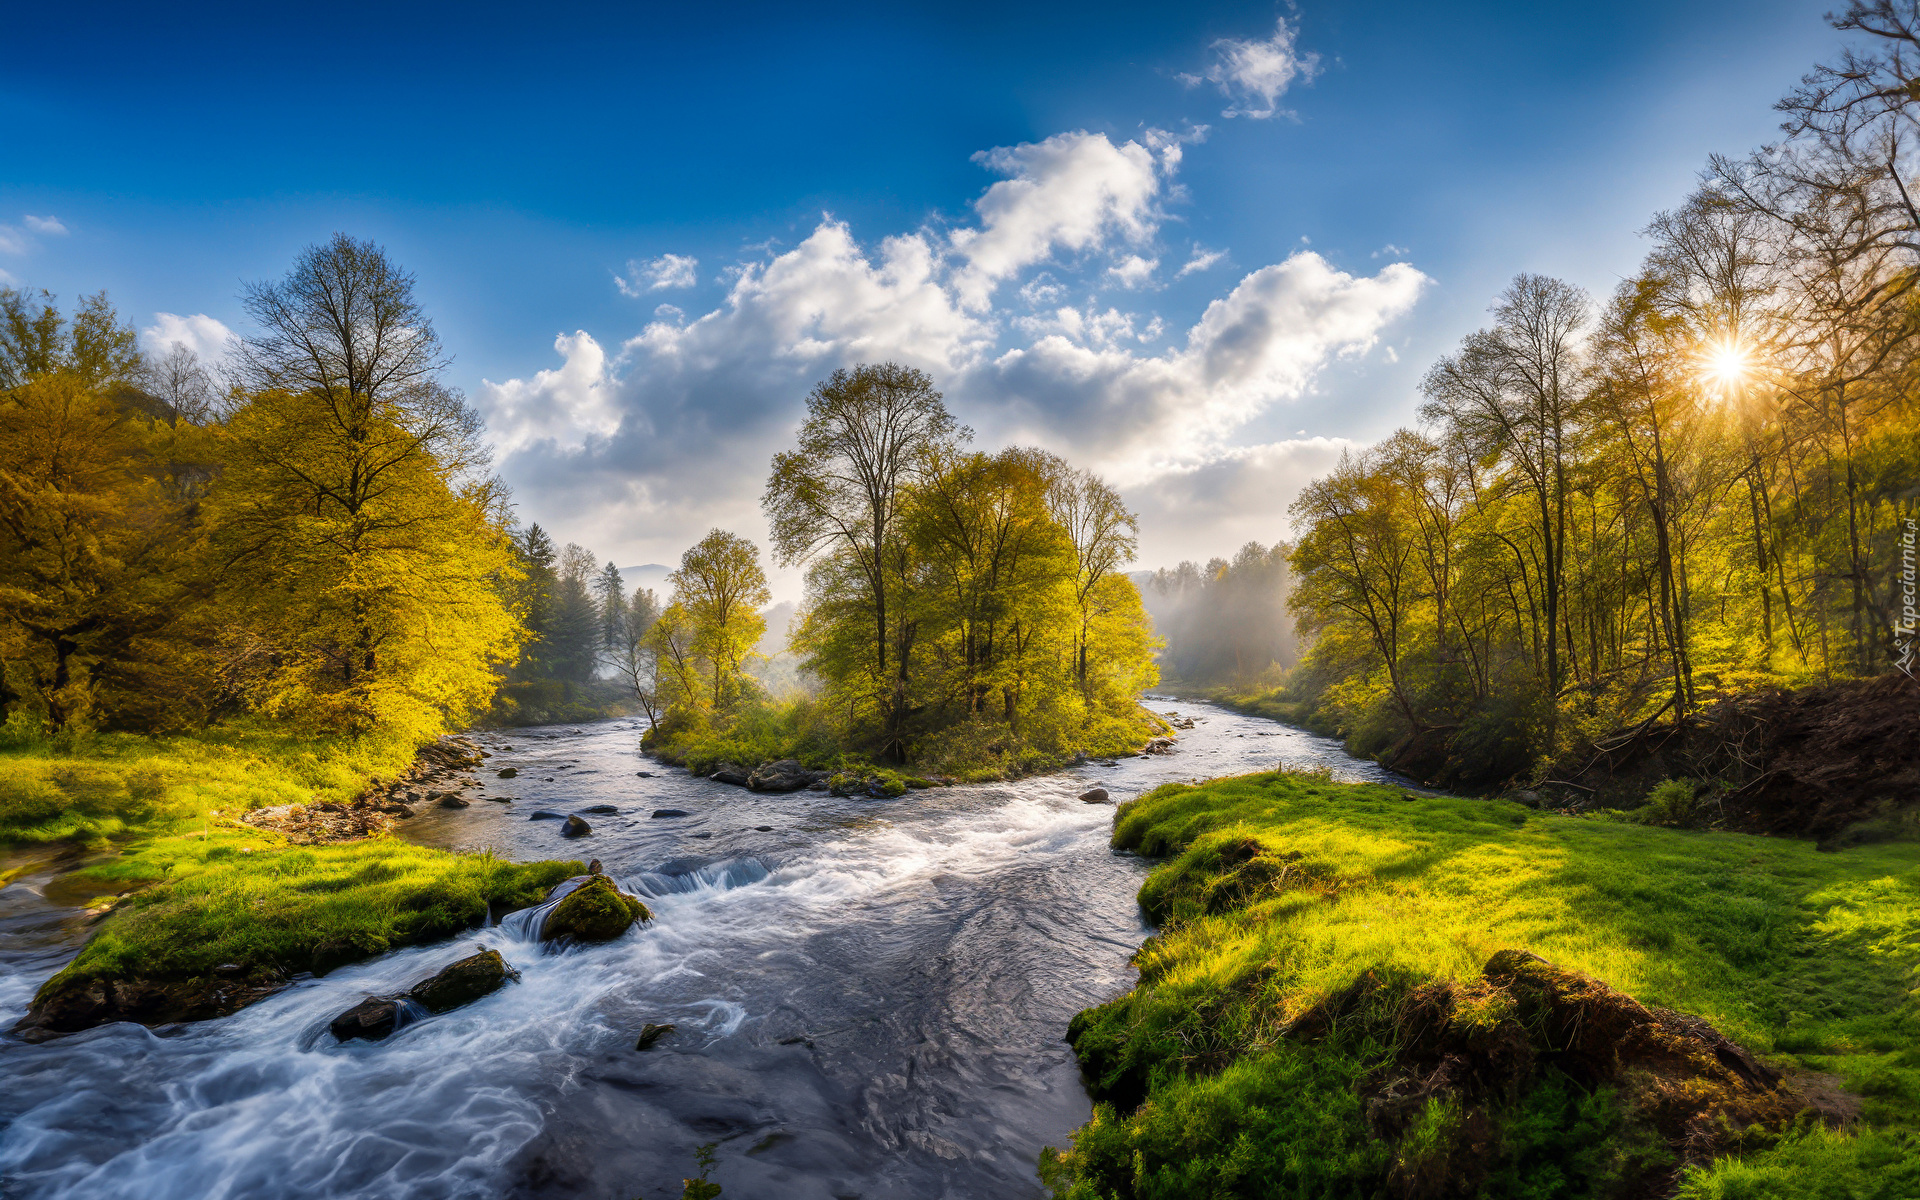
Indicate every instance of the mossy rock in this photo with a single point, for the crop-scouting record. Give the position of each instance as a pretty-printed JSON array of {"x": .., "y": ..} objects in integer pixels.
[{"x": 596, "y": 911}]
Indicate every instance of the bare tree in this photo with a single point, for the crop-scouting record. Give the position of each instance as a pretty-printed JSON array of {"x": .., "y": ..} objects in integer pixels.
[
  {"x": 1513, "y": 390},
  {"x": 188, "y": 385}
]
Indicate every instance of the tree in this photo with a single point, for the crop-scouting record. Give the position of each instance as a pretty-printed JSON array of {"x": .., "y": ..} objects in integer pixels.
[
  {"x": 352, "y": 519},
  {"x": 867, "y": 435},
  {"x": 634, "y": 654},
  {"x": 1512, "y": 391},
  {"x": 576, "y": 637},
  {"x": 721, "y": 588},
  {"x": 37, "y": 341},
  {"x": 94, "y": 557},
  {"x": 185, "y": 385},
  {"x": 1104, "y": 535},
  {"x": 610, "y": 596}
]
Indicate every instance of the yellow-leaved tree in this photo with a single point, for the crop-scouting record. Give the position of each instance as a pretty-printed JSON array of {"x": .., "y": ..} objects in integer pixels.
[
  {"x": 96, "y": 527},
  {"x": 354, "y": 529}
]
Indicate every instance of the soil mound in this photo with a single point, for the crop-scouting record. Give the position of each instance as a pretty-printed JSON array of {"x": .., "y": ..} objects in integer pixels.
[
  {"x": 1474, "y": 1051},
  {"x": 1836, "y": 764}
]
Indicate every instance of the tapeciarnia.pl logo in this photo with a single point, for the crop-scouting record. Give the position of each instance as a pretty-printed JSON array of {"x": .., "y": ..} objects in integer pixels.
[{"x": 1905, "y": 624}]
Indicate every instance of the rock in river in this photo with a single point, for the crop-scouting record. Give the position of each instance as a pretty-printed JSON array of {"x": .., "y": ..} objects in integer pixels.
[
  {"x": 544, "y": 815},
  {"x": 596, "y": 911},
  {"x": 670, "y": 812},
  {"x": 575, "y": 827},
  {"x": 1094, "y": 796},
  {"x": 508, "y": 772},
  {"x": 449, "y": 800},
  {"x": 460, "y": 983},
  {"x": 601, "y": 810},
  {"x": 463, "y": 982},
  {"x": 373, "y": 1018},
  {"x": 651, "y": 1033}
]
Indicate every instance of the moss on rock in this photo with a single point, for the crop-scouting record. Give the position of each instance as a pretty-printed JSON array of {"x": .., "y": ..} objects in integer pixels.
[{"x": 596, "y": 911}]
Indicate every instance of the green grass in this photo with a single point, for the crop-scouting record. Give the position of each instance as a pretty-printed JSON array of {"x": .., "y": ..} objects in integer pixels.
[
  {"x": 1808, "y": 959},
  {"x": 113, "y": 784},
  {"x": 198, "y": 889},
  {"x": 240, "y": 896}
]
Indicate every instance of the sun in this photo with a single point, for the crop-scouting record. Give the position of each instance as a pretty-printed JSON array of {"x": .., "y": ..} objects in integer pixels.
[{"x": 1725, "y": 365}]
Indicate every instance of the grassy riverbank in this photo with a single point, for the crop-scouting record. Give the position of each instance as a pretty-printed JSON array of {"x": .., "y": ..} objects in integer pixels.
[
  {"x": 109, "y": 785},
  {"x": 1326, "y": 1010},
  {"x": 206, "y": 912}
]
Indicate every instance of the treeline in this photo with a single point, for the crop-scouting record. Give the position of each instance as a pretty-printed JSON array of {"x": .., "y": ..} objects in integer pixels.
[
  {"x": 1226, "y": 623},
  {"x": 1617, "y": 511},
  {"x": 310, "y": 534},
  {"x": 578, "y": 617},
  {"x": 963, "y": 608}
]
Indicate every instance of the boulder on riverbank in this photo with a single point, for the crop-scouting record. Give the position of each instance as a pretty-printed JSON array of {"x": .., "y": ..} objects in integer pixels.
[
  {"x": 732, "y": 773},
  {"x": 596, "y": 911},
  {"x": 784, "y": 775},
  {"x": 73, "y": 1005}
]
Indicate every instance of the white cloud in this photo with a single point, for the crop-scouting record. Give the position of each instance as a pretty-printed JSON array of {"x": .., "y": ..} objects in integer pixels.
[
  {"x": 649, "y": 444},
  {"x": 1390, "y": 251},
  {"x": 667, "y": 271},
  {"x": 1133, "y": 270},
  {"x": 570, "y": 406},
  {"x": 1201, "y": 260},
  {"x": 1239, "y": 497},
  {"x": 200, "y": 333},
  {"x": 17, "y": 240},
  {"x": 1074, "y": 191},
  {"x": 1253, "y": 75},
  {"x": 1263, "y": 343}
]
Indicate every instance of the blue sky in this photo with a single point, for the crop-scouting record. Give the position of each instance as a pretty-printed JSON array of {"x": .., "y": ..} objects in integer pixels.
[{"x": 1206, "y": 315}]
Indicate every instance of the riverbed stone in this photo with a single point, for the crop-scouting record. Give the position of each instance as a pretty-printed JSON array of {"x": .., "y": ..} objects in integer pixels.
[
  {"x": 372, "y": 1019},
  {"x": 1094, "y": 796},
  {"x": 732, "y": 773},
  {"x": 507, "y": 772},
  {"x": 575, "y": 827},
  {"x": 601, "y": 810},
  {"x": 651, "y": 1033},
  {"x": 463, "y": 982},
  {"x": 782, "y": 775},
  {"x": 544, "y": 815},
  {"x": 449, "y": 800},
  {"x": 671, "y": 812},
  {"x": 596, "y": 911}
]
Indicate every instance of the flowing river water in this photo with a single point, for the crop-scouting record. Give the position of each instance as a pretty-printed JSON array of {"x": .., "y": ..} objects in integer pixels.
[{"x": 868, "y": 998}]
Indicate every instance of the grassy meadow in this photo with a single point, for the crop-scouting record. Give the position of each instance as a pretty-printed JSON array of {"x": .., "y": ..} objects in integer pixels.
[{"x": 1282, "y": 892}]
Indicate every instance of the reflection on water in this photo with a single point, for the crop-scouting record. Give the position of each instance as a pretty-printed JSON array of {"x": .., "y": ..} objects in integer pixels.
[{"x": 867, "y": 999}]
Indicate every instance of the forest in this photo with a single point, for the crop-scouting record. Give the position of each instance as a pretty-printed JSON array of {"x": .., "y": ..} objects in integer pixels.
[
  {"x": 1622, "y": 509},
  {"x": 311, "y": 537}
]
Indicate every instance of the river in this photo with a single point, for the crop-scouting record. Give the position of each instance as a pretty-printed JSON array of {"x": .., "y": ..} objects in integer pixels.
[{"x": 868, "y": 998}]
